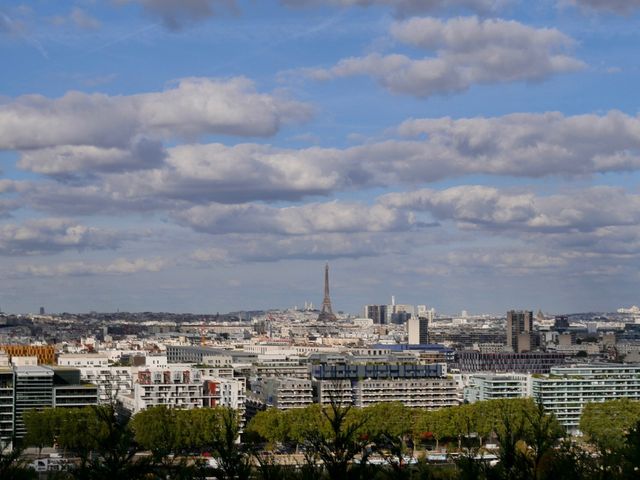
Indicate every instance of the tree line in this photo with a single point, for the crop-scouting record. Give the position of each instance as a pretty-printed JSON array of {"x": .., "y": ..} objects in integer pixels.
[{"x": 337, "y": 442}]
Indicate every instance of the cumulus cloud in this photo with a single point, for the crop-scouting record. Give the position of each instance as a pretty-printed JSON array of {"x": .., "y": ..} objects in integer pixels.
[
  {"x": 53, "y": 235},
  {"x": 120, "y": 266},
  {"x": 618, "y": 6},
  {"x": 426, "y": 150},
  {"x": 409, "y": 6},
  {"x": 65, "y": 161},
  {"x": 301, "y": 220},
  {"x": 492, "y": 209},
  {"x": 513, "y": 261},
  {"x": 532, "y": 145},
  {"x": 176, "y": 14},
  {"x": 191, "y": 108},
  {"x": 269, "y": 248},
  {"x": 468, "y": 51}
]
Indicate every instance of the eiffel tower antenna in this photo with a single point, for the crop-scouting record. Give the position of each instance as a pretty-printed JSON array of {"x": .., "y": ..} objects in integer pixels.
[{"x": 326, "y": 314}]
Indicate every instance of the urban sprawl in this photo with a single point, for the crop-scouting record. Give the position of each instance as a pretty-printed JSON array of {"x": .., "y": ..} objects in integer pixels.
[{"x": 395, "y": 361}]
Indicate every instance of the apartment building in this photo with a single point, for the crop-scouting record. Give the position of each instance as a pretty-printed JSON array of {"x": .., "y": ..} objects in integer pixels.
[
  {"x": 566, "y": 390},
  {"x": 499, "y": 385},
  {"x": 470, "y": 361},
  {"x": 283, "y": 393}
]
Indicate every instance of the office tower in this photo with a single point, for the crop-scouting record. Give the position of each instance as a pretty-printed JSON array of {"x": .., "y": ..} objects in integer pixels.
[
  {"x": 326, "y": 314},
  {"x": 418, "y": 330},
  {"x": 41, "y": 310},
  {"x": 561, "y": 323},
  {"x": 33, "y": 389},
  {"x": 520, "y": 330},
  {"x": 377, "y": 313}
]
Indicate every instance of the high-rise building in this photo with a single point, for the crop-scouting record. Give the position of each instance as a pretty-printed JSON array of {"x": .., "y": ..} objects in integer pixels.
[
  {"x": 561, "y": 323},
  {"x": 326, "y": 314},
  {"x": 6, "y": 406},
  {"x": 520, "y": 330},
  {"x": 377, "y": 313},
  {"x": 418, "y": 331}
]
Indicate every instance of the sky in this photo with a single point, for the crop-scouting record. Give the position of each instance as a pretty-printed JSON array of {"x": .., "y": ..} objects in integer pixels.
[{"x": 211, "y": 155}]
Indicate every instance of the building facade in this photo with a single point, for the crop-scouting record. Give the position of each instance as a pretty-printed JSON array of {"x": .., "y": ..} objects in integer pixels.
[
  {"x": 566, "y": 390},
  {"x": 520, "y": 330}
]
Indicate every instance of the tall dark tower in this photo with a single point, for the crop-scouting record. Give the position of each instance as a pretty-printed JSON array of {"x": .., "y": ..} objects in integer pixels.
[{"x": 327, "y": 313}]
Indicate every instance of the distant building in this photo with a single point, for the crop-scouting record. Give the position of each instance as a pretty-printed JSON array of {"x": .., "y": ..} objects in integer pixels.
[
  {"x": 418, "y": 331},
  {"x": 326, "y": 314},
  {"x": 520, "y": 331},
  {"x": 561, "y": 323},
  {"x": 377, "y": 313},
  {"x": 470, "y": 361},
  {"x": 45, "y": 354}
]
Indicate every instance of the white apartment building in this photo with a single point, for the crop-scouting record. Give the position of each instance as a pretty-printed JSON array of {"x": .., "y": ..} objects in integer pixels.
[
  {"x": 175, "y": 388},
  {"x": 566, "y": 390},
  {"x": 112, "y": 382},
  {"x": 283, "y": 393},
  {"x": 225, "y": 392},
  {"x": 413, "y": 392},
  {"x": 83, "y": 360},
  {"x": 428, "y": 393},
  {"x": 280, "y": 368},
  {"x": 497, "y": 385}
]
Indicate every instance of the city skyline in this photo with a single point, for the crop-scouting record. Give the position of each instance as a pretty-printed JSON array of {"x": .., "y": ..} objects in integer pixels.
[{"x": 212, "y": 155}]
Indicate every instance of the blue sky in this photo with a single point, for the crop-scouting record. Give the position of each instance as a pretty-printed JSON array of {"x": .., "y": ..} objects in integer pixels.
[{"x": 211, "y": 155}]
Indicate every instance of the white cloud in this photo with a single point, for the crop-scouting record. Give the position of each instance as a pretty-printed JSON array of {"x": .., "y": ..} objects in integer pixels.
[
  {"x": 426, "y": 150},
  {"x": 409, "y": 6},
  {"x": 468, "y": 51},
  {"x": 617, "y": 6},
  {"x": 301, "y": 220},
  {"x": 74, "y": 160},
  {"x": 191, "y": 108},
  {"x": 53, "y": 235},
  {"x": 493, "y": 209},
  {"x": 120, "y": 266}
]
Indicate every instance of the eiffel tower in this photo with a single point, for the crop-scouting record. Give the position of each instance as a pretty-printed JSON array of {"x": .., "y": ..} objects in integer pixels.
[{"x": 326, "y": 315}]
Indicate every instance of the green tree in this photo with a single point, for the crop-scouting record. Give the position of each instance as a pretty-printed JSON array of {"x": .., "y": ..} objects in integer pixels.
[
  {"x": 42, "y": 427},
  {"x": 542, "y": 432},
  {"x": 156, "y": 430},
  {"x": 389, "y": 428},
  {"x": 12, "y": 465},
  {"x": 340, "y": 439},
  {"x": 607, "y": 425},
  {"x": 233, "y": 461}
]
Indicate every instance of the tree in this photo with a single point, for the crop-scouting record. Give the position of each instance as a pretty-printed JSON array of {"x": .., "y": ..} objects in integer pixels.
[
  {"x": 606, "y": 423},
  {"x": 389, "y": 427},
  {"x": 233, "y": 461},
  {"x": 42, "y": 427},
  {"x": 340, "y": 439},
  {"x": 542, "y": 432},
  {"x": 12, "y": 466}
]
